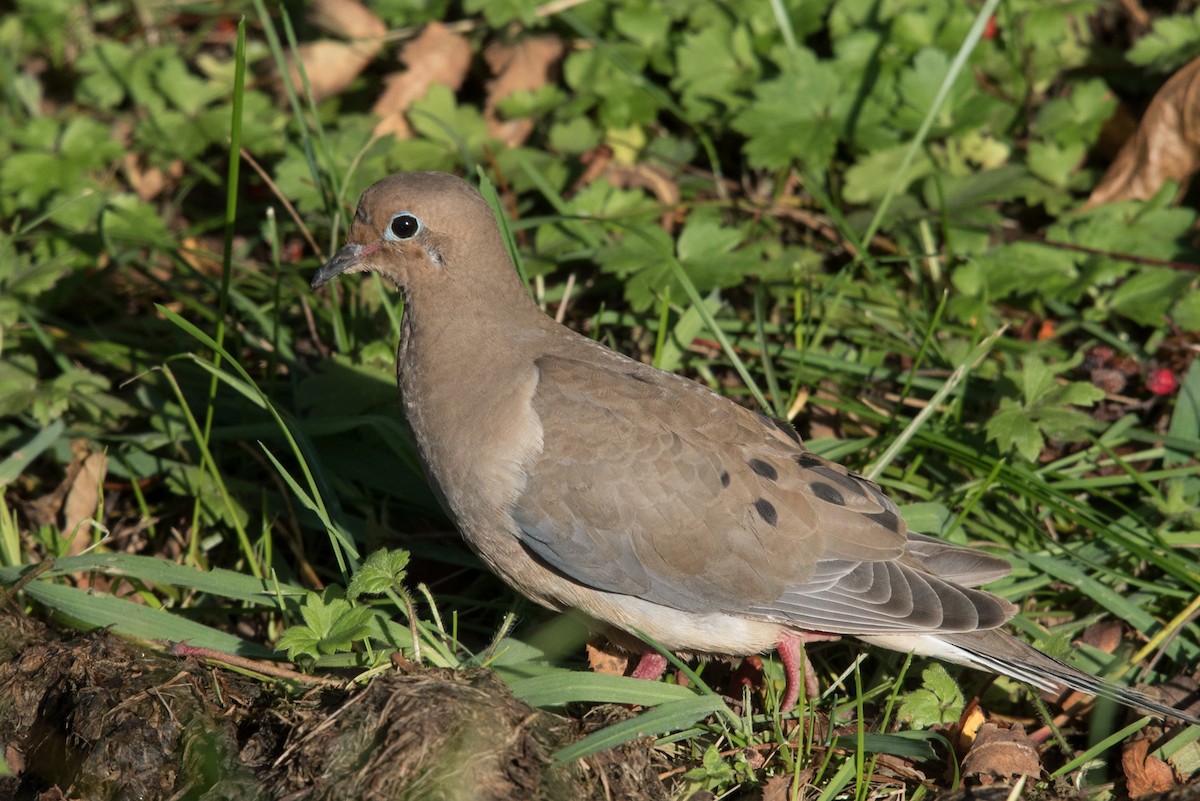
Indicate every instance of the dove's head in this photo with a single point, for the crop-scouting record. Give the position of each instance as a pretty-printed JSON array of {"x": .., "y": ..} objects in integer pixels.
[{"x": 425, "y": 230}]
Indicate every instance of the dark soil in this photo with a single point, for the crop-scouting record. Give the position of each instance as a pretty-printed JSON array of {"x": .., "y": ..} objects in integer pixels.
[
  {"x": 93, "y": 716},
  {"x": 96, "y": 717}
]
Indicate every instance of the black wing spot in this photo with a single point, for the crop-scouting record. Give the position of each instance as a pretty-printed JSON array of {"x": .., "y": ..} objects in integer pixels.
[
  {"x": 828, "y": 493},
  {"x": 724, "y": 478},
  {"x": 784, "y": 428},
  {"x": 636, "y": 376},
  {"x": 766, "y": 510},
  {"x": 888, "y": 519},
  {"x": 856, "y": 484},
  {"x": 764, "y": 469},
  {"x": 808, "y": 461}
]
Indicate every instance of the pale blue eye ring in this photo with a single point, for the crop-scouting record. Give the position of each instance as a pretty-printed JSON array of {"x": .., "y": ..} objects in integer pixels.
[{"x": 403, "y": 226}]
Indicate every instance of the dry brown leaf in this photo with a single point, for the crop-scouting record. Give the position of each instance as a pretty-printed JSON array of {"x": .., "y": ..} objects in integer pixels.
[
  {"x": 654, "y": 179},
  {"x": 995, "y": 792},
  {"x": 524, "y": 66},
  {"x": 45, "y": 510},
  {"x": 83, "y": 498},
  {"x": 198, "y": 257},
  {"x": 15, "y": 758},
  {"x": 606, "y": 662},
  {"x": 348, "y": 19},
  {"x": 1180, "y": 691},
  {"x": 595, "y": 162},
  {"x": 1001, "y": 753},
  {"x": 437, "y": 56},
  {"x": 1105, "y": 636},
  {"x": 1139, "y": 20},
  {"x": 1165, "y": 148},
  {"x": 1145, "y": 774},
  {"x": 330, "y": 65},
  {"x": 149, "y": 181},
  {"x": 888, "y": 767},
  {"x": 778, "y": 788}
]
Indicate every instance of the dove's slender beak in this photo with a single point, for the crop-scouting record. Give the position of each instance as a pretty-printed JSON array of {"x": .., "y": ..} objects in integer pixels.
[{"x": 345, "y": 260}]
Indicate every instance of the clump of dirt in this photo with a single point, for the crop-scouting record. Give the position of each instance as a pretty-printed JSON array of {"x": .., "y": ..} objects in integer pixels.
[{"x": 94, "y": 716}]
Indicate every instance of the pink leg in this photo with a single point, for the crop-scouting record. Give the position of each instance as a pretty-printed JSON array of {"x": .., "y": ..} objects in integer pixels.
[
  {"x": 791, "y": 653},
  {"x": 651, "y": 666}
]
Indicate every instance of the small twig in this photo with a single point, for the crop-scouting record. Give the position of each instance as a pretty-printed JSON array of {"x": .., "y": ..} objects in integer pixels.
[
  {"x": 1133, "y": 258},
  {"x": 315, "y": 335},
  {"x": 212, "y": 655},
  {"x": 287, "y": 204},
  {"x": 971, "y": 362},
  {"x": 10, "y": 595}
]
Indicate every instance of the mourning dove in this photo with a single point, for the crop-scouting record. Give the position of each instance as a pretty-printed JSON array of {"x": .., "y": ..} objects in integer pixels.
[{"x": 587, "y": 480}]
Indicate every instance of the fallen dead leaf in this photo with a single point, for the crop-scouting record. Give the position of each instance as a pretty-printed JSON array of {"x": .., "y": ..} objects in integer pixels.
[
  {"x": 1001, "y": 754},
  {"x": 595, "y": 162},
  {"x": 330, "y": 65},
  {"x": 609, "y": 663},
  {"x": 15, "y": 758},
  {"x": 890, "y": 766},
  {"x": 349, "y": 19},
  {"x": 149, "y": 181},
  {"x": 1106, "y": 635},
  {"x": 994, "y": 792},
  {"x": 779, "y": 788},
  {"x": 198, "y": 257},
  {"x": 1139, "y": 20},
  {"x": 524, "y": 66},
  {"x": 436, "y": 56},
  {"x": 1165, "y": 148},
  {"x": 1145, "y": 774},
  {"x": 649, "y": 177},
  {"x": 83, "y": 498}
]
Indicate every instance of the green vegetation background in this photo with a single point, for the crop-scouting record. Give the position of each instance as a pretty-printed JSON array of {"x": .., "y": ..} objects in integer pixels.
[{"x": 867, "y": 191}]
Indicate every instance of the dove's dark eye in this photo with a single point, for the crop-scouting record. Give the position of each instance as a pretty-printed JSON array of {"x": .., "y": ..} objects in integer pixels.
[{"x": 404, "y": 225}]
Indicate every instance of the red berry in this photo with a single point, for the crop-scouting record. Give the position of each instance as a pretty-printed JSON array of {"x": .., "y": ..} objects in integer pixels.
[{"x": 1162, "y": 381}]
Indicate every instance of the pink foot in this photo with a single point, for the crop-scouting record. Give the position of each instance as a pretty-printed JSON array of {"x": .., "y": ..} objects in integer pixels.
[
  {"x": 651, "y": 666},
  {"x": 791, "y": 653}
]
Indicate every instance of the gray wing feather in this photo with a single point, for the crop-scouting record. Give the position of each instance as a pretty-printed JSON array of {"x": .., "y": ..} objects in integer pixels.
[{"x": 651, "y": 486}]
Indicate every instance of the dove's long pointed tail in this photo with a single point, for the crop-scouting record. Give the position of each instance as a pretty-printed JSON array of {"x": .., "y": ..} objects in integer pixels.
[{"x": 999, "y": 652}]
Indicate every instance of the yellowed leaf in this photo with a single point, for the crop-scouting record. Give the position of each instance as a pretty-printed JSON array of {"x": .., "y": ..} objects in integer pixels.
[{"x": 970, "y": 722}]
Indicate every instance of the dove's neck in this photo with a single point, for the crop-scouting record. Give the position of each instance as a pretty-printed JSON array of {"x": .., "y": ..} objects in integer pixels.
[
  {"x": 469, "y": 338},
  {"x": 467, "y": 378}
]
